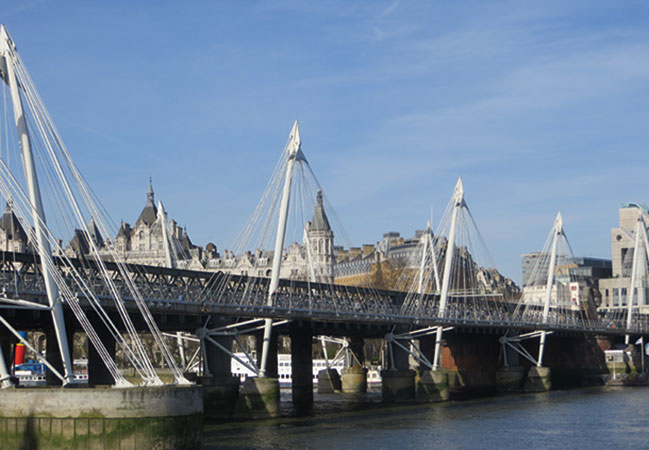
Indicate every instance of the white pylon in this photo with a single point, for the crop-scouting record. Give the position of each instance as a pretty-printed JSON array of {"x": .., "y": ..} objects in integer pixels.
[
  {"x": 170, "y": 261},
  {"x": 458, "y": 202},
  {"x": 293, "y": 148},
  {"x": 7, "y": 54},
  {"x": 640, "y": 243},
  {"x": 556, "y": 234}
]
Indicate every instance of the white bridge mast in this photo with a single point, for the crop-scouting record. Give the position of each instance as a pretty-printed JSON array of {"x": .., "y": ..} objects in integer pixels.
[
  {"x": 640, "y": 243},
  {"x": 557, "y": 232},
  {"x": 7, "y": 52},
  {"x": 293, "y": 148},
  {"x": 458, "y": 202}
]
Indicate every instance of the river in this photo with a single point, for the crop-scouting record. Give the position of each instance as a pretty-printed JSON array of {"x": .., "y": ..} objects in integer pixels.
[{"x": 593, "y": 418}]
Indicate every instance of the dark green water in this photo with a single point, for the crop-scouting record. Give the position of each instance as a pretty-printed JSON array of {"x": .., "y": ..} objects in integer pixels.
[{"x": 595, "y": 418}]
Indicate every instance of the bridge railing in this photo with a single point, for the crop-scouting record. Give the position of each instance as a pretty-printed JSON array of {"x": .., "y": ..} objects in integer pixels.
[{"x": 20, "y": 276}]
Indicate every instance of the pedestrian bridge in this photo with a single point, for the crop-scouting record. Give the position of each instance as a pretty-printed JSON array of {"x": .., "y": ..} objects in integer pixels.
[{"x": 179, "y": 291}]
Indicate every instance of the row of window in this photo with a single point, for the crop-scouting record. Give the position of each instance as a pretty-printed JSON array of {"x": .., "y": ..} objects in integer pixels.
[{"x": 618, "y": 296}]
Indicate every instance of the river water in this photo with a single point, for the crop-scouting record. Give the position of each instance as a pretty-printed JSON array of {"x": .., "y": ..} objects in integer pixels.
[{"x": 593, "y": 418}]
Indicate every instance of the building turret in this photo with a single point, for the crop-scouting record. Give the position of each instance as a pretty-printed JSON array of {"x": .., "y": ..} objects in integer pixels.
[
  {"x": 150, "y": 213},
  {"x": 321, "y": 243},
  {"x": 12, "y": 235}
]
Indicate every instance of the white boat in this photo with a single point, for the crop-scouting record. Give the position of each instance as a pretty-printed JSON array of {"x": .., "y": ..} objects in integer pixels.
[{"x": 284, "y": 369}]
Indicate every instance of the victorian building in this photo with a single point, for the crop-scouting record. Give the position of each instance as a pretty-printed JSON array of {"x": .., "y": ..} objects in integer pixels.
[
  {"x": 147, "y": 242},
  {"x": 13, "y": 237},
  {"x": 311, "y": 260}
]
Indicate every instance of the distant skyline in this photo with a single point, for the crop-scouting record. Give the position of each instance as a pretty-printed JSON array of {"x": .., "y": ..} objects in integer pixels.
[{"x": 539, "y": 107}]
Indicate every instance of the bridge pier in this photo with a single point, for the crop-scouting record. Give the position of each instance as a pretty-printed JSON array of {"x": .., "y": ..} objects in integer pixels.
[
  {"x": 354, "y": 377},
  {"x": 53, "y": 354},
  {"x": 329, "y": 381},
  {"x": 398, "y": 381},
  {"x": 430, "y": 385},
  {"x": 576, "y": 360},
  {"x": 538, "y": 379},
  {"x": 98, "y": 373},
  {"x": 220, "y": 388},
  {"x": 510, "y": 378},
  {"x": 302, "y": 369},
  {"x": 259, "y": 396}
]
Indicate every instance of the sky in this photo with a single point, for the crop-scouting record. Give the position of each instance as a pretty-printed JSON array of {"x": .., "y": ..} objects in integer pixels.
[{"x": 540, "y": 107}]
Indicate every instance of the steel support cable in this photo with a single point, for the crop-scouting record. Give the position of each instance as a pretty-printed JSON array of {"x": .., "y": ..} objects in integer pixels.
[
  {"x": 67, "y": 294},
  {"x": 265, "y": 209},
  {"x": 22, "y": 217},
  {"x": 341, "y": 231},
  {"x": 32, "y": 97},
  {"x": 247, "y": 231},
  {"x": 50, "y": 233},
  {"x": 95, "y": 250}
]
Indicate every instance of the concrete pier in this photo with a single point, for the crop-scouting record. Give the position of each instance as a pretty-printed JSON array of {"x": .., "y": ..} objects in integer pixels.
[
  {"x": 398, "y": 382},
  {"x": 538, "y": 379},
  {"x": 354, "y": 380},
  {"x": 220, "y": 388},
  {"x": 140, "y": 417},
  {"x": 302, "y": 369},
  {"x": 53, "y": 355},
  {"x": 354, "y": 377},
  {"x": 431, "y": 386},
  {"x": 98, "y": 373},
  {"x": 259, "y": 396},
  {"x": 398, "y": 385},
  {"x": 510, "y": 379},
  {"x": 258, "y": 399},
  {"x": 329, "y": 381}
]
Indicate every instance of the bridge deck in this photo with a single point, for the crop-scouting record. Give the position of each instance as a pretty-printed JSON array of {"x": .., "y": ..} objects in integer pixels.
[{"x": 188, "y": 292}]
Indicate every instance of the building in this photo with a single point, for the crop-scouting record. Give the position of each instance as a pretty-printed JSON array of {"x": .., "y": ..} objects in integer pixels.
[
  {"x": 583, "y": 268},
  {"x": 143, "y": 243},
  {"x": 376, "y": 265},
  {"x": 575, "y": 279},
  {"x": 312, "y": 260},
  {"x": 393, "y": 261},
  {"x": 13, "y": 237},
  {"x": 614, "y": 290}
]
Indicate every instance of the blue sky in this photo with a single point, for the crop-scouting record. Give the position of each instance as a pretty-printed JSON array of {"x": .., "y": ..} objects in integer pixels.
[{"x": 539, "y": 106}]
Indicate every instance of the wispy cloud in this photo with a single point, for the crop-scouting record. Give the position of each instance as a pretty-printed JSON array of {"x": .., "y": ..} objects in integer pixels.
[{"x": 15, "y": 9}]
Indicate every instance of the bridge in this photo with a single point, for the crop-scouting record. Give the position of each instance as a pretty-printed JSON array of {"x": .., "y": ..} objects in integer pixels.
[
  {"x": 446, "y": 304},
  {"x": 171, "y": 291}
]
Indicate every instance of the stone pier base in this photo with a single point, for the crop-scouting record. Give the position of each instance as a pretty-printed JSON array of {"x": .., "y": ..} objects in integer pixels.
[
  {"x": 538, "y": 379},
  {"x": 398, "y": 385},
  {"x": 258, "y": 399},
  {"x": 329, "y": 381},
  {"x": 510, "y": 379},
  {"x": 432, "y": 386},
  {"x": 354, "y": 380},
  {"x": 167, "y": 417}
]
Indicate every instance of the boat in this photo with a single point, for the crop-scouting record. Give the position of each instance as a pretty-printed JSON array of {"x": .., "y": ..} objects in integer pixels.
[
  {"x": 284, "y": 368},
  {"x": 32, "y": 373}
]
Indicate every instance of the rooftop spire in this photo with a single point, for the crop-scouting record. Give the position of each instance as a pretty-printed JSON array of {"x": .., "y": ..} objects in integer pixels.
[
  {"x": 150, "y": 213},
  {"x": 149, "y": 194},
  {"x": 320, "y": 221}
]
